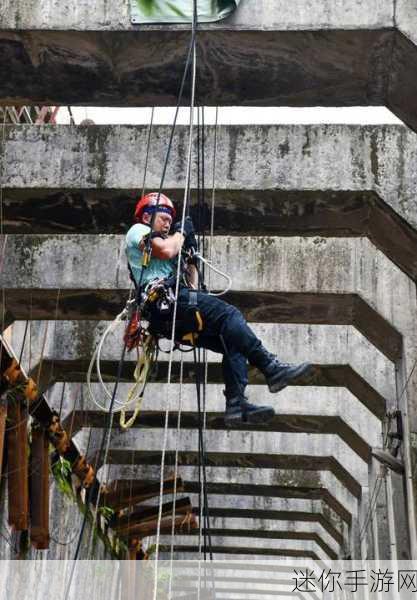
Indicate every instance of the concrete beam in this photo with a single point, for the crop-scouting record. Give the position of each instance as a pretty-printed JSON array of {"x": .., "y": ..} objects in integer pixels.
[
  {"x": 247, "y": 460},
  {"x": 240, "y": 212},
  {"x": 247, "y": 547},
  {"x": 312, "y": 410},
  {"x": 342, "y": 356},
  {"x": 329, "y": 264},
  {"x": 271, "y": 483},
  {"x": 282, "y": 423},
  {"x": 85, "y": 179},
  {"x": 266, "y": 524},
  {"x": 271, "y": 514},
  {"x": 310, "y": 452},
  {"x": 350, "y": 64},
  {"x": 332, "y": 376},
  {"x": 268, "y": 14},
  {"x": 261, "y": 307},
  {"x": 328, "y": 502},
  {"x": 261, "y": 538}
]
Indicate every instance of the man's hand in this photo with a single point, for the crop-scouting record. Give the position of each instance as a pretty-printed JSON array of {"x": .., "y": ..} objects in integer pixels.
[
  {"x": 190, "y": 242},
  {"x": 188, "y": 227}
]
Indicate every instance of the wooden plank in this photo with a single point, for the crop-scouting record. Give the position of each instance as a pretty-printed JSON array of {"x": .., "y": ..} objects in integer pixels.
[
  {"x": 17, "y": 466},
  {"x": 39, "y": 490},
  {"x": 145, "y": 514},
  {"x": 3, "y": 416},
  {"x": 182, "y": 526},
  {"x": 11, "y": 375}
]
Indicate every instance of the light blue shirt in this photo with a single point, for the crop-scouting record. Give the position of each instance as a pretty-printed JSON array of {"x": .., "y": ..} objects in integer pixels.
[{"x": 157, "y": 268}]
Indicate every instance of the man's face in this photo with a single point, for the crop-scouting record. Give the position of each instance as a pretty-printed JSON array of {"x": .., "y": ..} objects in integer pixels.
[{"x": 162, "y": 222}]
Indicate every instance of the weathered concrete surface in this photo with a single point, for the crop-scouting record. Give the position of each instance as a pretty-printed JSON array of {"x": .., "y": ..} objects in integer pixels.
[
  {"x": 261, "y": 307},
  {"x": 285, "y": 422},
  {"x": 297, "y": 407},
  {"x": 268, "y": 450},
  {"x": 262, "y": 513},
  {"x": 252, "y": 14},
  {"x": 267, "y": 547},
  {"x": 406, "y": 18},
  {"x": 306, "y": 543},
  {"x": 255, "y": 212},
  {"x": 103, "y": 165},
  {"x": 267, "y": 533},
  {"x": 256, "y": 484},
  {"x": 95, "y": 56},
  {"x": 324, "y": 345},
  {"x": 288, "y": 265}
]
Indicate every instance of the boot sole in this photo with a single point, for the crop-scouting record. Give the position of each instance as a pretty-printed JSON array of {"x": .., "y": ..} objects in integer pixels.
[
  {"x": 260, "y": 416},
  {"x": 280, "y": 385}
]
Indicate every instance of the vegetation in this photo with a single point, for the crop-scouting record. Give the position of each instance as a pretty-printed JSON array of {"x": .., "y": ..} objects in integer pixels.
[{"x": 61, "y": 470}]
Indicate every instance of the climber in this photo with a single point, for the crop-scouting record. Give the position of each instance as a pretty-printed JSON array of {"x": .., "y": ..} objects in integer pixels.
[{"x": 222, "y": 327}]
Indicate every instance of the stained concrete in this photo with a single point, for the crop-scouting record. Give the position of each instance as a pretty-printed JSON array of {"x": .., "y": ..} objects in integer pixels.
[
  {"x": 292, "y": 265},
  {"x": 268, "y": 449},
  {"x": 265, "y": 14},
  {"x": 96, "y": 56},
  {"x": 283, "y": 513},
  {"x": 259, "y": 169},
  {"x": 314, "y": 408},
  {"x": 324, "y": 345}
]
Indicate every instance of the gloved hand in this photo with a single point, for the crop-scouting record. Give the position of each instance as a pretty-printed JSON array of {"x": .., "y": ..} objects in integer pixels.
[
  {"x": 190, "y": 242},
  {"x": 188, "y": 227}
]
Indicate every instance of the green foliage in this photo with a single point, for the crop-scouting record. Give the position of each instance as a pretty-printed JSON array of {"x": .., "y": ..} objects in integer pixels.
[
  {"x": 15, "y": 393},
  {"x": 61, "y": 470},
  {"x": 106, "y": 512},
  {"x": 150, "y": 550}
]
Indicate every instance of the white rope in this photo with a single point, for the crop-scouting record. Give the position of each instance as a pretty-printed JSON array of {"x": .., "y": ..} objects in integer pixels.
[
  {"x": 371, "y": 507},
  {"x": 213, "y": 195},
  {"x": 165, "y": 441},
  {"x": 96, "y": 359},
  {"x": 148, "y": 143},
  {"x": 135, "y": 394},
  {"x": 175, "y": 475},
  {"x": 210, "y": 266}
]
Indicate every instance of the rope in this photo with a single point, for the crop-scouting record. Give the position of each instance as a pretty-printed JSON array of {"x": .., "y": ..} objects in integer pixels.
[
  {"x": 148, "y": 144},
  {"x": 371, "y": 507},
  {"x": 3, "y": 150},
  {"x": 144, "y": 364},
  {"x": 186, "y": 193},
  {"x": 204, "y": 514},
  {"x": 175, "y": 475},
  {"x": 3, "y": 162}
]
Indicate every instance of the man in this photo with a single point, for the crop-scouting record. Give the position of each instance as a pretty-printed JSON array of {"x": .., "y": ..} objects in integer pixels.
[{"x": 224, "y": 329}]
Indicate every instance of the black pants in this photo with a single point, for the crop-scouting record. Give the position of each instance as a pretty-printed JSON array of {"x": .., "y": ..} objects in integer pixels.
[{"x": 226, "y": 332}]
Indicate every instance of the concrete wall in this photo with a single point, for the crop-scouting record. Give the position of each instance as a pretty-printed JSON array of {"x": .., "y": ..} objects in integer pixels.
[
  {"x": 251, "y": 14},
  {"x": 256, "y": 161}
]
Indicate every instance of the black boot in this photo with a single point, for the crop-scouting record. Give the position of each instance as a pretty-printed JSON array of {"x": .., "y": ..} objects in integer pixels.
[
  {"x": 278, "y": 375},
  {"x": 239, "y": 410}
]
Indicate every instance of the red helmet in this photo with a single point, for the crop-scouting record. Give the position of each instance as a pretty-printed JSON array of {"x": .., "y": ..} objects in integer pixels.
[{"x": 148, "y": 204}]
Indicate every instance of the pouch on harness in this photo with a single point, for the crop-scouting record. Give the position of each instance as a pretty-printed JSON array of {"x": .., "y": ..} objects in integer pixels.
[{"x": 159, "y": 311}]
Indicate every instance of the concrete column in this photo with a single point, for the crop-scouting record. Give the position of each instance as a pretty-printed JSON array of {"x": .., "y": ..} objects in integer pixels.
[{"x": 407, "y": 454}]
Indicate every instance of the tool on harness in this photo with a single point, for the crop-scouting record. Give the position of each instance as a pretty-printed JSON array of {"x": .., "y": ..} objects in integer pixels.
[{"x": 159, "y": 311}]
